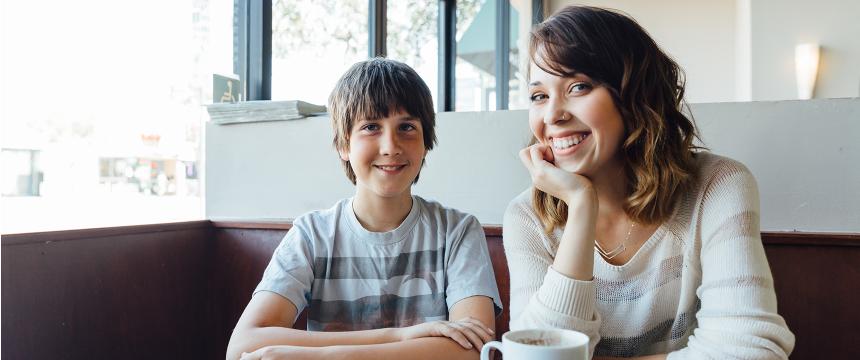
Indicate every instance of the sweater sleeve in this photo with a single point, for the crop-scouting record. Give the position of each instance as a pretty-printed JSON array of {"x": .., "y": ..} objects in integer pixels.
[
  {"x": 540, "y": 297},
  {"x": 738, "y": 317}
]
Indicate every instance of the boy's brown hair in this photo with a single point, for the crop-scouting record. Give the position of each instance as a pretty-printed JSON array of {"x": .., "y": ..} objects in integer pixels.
[{"x": 373, "y": 89}]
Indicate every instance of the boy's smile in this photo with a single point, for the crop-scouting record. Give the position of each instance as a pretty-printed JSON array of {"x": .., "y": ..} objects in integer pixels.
[{"x": 386, "y": 154}]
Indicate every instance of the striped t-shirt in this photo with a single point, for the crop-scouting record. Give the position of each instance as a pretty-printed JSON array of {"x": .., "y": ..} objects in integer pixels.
[{"x": 350, "y": 278}]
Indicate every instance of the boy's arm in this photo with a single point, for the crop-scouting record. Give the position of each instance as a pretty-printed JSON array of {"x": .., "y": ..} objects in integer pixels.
[
  {"x": 269, "y": 318},
  {"x": 477, "y": 307}
]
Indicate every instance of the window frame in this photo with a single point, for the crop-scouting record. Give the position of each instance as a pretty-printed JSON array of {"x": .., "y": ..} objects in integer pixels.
[{"x": 252, "y": 47}]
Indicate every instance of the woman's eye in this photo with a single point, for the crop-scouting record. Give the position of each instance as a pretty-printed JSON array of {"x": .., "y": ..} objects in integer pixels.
[
  {"x": 407, "y": 127},
  {"x": 537, "y": 97},
  {"x": 580, "y": 87},
  {"x": 370, "y": 127}
]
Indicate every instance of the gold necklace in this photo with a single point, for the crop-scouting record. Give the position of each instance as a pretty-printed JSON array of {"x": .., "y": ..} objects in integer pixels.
[{"x": 608, "y": 255}]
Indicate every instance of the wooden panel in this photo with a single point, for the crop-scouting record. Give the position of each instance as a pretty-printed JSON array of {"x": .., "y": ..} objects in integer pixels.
[
  {"x": 500, "y": 268},
  {"x": 815, "y": 274},
  {"x": 817, "y": 288},
  {"x": 177, "y": 290},
  {"x": 122, "y": 293},
  {"x": 240, "y": 256}
]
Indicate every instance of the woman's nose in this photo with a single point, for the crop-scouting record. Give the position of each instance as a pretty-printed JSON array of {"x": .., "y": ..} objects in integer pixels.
[{"x": 555, "y": 113}]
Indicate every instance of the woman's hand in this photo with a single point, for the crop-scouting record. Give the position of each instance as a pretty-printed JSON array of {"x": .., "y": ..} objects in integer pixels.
[
  {"x": 469, "y": 332},
  {"x": 547, "y": 177}
]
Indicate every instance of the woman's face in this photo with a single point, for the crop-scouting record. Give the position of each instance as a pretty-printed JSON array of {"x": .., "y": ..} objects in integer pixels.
[{"x": 578, "y": 120}]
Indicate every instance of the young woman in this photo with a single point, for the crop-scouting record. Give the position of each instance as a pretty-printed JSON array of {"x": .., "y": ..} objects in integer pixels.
[{"x": 631, "y": 234}]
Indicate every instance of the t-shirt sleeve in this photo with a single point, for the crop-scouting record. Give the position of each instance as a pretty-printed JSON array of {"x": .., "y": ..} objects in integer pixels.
[
  {"x": 290, "y": 272},
  {"x": 469, "y": 270}
]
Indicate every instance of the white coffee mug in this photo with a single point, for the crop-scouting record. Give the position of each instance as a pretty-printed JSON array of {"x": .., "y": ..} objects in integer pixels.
[{"x": 540, "y": 344}]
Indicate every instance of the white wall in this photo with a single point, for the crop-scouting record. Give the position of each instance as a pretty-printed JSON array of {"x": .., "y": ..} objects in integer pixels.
[
  {"x": 779, "y": 25},
  {"x": 699, "y": 35},
  {"x": 740, "y": 50},
  {"x": 805, "y": 155}
]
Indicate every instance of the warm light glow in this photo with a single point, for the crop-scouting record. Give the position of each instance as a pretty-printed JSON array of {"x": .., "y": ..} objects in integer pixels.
[{"x": 806, "y": 65}]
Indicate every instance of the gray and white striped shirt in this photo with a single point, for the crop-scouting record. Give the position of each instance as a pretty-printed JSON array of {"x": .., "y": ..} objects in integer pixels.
[{"x": 354, "y": 279}]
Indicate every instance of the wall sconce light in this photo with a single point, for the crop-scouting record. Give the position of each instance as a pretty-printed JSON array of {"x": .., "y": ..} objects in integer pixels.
[{"x": 806, "y": 58}]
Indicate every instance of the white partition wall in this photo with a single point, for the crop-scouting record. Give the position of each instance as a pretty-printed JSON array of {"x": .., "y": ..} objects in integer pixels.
[{"x": 804, "y": 154}]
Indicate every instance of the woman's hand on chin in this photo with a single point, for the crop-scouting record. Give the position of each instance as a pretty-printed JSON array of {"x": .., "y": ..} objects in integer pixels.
[{"x": 547, "y": 177}]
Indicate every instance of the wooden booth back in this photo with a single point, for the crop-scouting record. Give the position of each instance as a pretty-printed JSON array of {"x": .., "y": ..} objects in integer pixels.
[{"x": 177, "y": 290}]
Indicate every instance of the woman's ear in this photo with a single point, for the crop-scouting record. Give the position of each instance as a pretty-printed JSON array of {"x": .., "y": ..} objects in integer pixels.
[{"x": 344, "y": 154}]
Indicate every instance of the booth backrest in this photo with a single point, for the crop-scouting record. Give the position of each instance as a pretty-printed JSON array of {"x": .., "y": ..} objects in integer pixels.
[{"x": 177, "y": 290}]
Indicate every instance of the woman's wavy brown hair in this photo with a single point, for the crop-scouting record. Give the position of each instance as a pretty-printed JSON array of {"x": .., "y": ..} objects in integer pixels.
[{"x": 647, "y": 87}]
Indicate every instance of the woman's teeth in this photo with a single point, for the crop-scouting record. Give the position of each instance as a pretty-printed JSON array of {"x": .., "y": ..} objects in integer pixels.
[{"x": 569, "y": 141}]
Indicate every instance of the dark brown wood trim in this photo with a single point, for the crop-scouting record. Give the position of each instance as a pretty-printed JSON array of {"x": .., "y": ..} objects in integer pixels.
[
  {"x": 256, "y": 224},
  {"x": 493, "y": 230},
  {"x": 790, "y": 238},
  {"x": 796, "y": 238},
  {"x": 65, "y": 235}
]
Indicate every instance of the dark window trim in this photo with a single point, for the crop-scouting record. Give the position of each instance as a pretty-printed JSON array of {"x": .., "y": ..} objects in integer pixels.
[
  {"x": 446, "y": 92},
  {"x": 502, "y": 53},
  {"x": 255, "y": 47},
  {"x": 377, "y": 32}
]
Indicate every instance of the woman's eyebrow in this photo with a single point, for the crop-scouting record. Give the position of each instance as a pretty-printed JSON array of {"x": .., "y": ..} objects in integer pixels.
[{"x": 535, "y": 83}]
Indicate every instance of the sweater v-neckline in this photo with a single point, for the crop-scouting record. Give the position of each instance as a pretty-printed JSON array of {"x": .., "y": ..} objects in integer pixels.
[{"x": 658, "y": 234}]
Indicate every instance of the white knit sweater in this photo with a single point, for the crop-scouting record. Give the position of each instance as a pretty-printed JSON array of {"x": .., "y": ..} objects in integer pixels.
[{"x": 699, "y": 288}]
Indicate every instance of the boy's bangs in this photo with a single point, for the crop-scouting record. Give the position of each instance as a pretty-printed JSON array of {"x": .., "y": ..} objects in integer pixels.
[{"x": 382, "y": 98}]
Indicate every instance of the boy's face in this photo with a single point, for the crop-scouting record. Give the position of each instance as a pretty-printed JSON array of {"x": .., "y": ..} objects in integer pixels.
[{"x": 386, "y": 154}]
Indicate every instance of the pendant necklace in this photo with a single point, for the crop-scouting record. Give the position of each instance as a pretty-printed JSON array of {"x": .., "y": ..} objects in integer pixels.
[{"x": 608, "y": 255}]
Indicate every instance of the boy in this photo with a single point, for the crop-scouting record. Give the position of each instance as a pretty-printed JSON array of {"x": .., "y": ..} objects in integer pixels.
[{"x": 384, "y": 274}]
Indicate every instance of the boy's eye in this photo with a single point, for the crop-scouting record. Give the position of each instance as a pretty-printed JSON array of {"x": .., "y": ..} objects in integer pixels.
[
  {"x": 407, "y": 127},
  {"x": 537, "y": 97},
  {"x": 370, "y": 127}
]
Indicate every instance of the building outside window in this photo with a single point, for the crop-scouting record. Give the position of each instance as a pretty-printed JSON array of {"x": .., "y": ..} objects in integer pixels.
[{"x": 102, "y": 109}]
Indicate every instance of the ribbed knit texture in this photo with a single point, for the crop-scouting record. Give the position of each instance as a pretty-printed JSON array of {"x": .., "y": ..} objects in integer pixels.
[{"x": 698, "y": 288}]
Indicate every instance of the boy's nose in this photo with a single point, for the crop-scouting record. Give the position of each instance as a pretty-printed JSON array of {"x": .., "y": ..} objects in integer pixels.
[{"x": 390, "y": 145}]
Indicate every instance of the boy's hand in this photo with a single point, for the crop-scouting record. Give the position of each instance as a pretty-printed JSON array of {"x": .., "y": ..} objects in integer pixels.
[
  {"x": 469, "y": 332},
  {"x": 280, "y": 352}
]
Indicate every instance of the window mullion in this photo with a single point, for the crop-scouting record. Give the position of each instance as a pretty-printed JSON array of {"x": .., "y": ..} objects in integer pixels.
[
  {"x": 376, "y": 28},
  {"x": 447, "y": 54},
  {"x": 255, "y": 48},
  {"x": 503, "y": 48}
]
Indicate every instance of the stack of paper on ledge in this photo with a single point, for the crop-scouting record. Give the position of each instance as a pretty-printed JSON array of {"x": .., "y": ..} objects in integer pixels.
[{"x": 255, "y": 111}]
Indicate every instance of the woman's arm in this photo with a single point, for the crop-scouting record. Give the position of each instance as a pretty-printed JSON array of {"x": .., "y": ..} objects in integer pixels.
[
  {"x": 738, "y": 318},
  {"x": 553, "y": 290},
  {"x": 539, "y": 295}
]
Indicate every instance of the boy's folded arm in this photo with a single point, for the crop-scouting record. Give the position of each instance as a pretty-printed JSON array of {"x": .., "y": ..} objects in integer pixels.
[
  {"x": 269, "y": 318},
  {"x": 477, "y": 307},
  {"x": 431, "y": 347}
]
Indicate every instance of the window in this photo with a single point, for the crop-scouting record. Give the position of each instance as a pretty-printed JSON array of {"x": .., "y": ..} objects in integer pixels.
[
  {"x": 22, "y": 175},
  {"x": 102, "y": 114},
  {"x": 412, "y": 37},
  {"x": 313, "y": 43},
  {"x": 327, "y": 36}
]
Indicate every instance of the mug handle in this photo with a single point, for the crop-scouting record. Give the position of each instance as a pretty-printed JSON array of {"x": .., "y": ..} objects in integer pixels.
[{"x": 485, "y": 351}]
